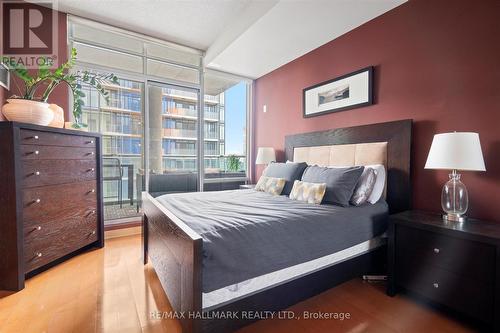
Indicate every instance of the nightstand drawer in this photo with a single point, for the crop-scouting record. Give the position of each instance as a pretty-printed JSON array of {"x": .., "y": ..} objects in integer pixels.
[
  {"x": 442, "y": 286},
  {"x": 472, "y": 260}
]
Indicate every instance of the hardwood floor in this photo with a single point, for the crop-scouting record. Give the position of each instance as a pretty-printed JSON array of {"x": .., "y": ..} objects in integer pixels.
[{"x": 109, "y": 290}]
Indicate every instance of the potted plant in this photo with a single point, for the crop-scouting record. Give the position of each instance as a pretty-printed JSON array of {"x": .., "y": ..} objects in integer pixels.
[{"x": 32, "y": 106}]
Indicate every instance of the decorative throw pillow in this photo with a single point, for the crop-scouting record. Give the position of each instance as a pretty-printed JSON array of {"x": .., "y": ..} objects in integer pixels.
[
  {"x": 340, "y": 182},
  {"x": 270, "y": 185},
  {"x": 379, "y": 187},
  {"x": 289, "y": 171},
  {"x": 364, "y": 187},
  {"x": 308, "y": 192}
]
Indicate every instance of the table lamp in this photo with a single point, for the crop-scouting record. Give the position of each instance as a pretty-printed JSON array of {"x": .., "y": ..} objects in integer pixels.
[
  {"x": 265, "y": 155},
  {"x": 455, "y": 151}
]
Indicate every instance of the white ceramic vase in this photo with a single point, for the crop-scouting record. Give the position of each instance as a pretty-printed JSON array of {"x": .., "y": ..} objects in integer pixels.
[{"x": 27, "y": 111}]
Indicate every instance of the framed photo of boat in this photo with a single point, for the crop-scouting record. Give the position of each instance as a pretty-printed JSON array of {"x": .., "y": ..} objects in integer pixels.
[{"x": 346, "y": 92}]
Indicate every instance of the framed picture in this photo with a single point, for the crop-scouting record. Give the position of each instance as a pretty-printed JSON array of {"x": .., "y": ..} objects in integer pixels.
[{"x": 349, "y": 91}]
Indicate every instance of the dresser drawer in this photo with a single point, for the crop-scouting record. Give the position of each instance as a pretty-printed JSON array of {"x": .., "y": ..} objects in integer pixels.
[
  {"x": 444, "y": 287},
  {"x": 56, "y": 239},
  {"x": 55, "y": 139},
  {"x": 59, "y": 202},
  {"x": 37, "y": 152},
  {"x": 470, "y": 259},
  {"x": 50, "y": 172}
]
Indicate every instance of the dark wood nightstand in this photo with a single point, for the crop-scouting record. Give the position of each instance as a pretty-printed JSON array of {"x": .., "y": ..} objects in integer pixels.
[
  {"x": 247, "y": 186},
  {"x": 450, "y": 264}
]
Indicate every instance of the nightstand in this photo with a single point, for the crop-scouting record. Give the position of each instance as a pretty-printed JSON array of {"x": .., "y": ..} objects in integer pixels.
[
  {"x": 247, "y": 186},
  {"x": 449, "y": 264}
]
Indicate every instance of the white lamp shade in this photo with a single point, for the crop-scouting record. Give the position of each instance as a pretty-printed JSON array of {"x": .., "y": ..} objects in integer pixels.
[
  {"x": 265, "y": 155},
  {"x": 458, "y": 150}
]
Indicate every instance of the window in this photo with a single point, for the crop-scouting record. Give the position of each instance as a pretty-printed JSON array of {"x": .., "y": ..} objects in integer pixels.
[{"x": 156, "y": 104}]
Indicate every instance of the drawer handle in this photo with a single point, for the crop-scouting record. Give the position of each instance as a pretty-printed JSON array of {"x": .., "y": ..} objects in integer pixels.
[
  {"x": 91, "y": 191},
  {"x": 90, "y": 142},
  {"x": 91, "y": 153},
  {"x": 436, "y": 250},
  {"x": 38, "y": 228},
  {"x": 435, "y": 285},
  {"x": 92, "y": 233},
  {"x": 35, "y": 137},
  {"x": 38, "y": 254},
  {"x": 36, "y": 173},
  {"x": 36, "y": 152},
  {"x": 37, "y": 200},
  {"x": 91, "y": 170}
]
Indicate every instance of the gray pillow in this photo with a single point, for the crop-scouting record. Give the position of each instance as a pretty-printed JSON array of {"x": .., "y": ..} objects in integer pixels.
[
  {"x": 289, "y": 171},
  {"x": 340, "y": 182}
]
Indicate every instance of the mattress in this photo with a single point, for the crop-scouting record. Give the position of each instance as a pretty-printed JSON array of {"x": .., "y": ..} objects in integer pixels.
[
  {"x": 222, "y": 296},
  {"x": 247, "y": 233}
]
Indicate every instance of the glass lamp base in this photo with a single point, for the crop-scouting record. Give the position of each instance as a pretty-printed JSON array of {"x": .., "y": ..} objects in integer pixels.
[{"x": 454, "y": 218}]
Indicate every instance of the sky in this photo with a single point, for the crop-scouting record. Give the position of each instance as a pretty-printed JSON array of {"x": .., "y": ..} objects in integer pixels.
[{"x": 235, "y": 118}]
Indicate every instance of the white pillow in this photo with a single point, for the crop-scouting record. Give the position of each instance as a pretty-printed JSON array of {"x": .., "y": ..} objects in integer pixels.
[{"x": 379, "y": 187}]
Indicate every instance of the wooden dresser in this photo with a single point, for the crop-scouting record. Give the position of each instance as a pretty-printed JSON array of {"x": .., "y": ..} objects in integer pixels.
[
  {"x": 450, "y": 264},
  {"x": 50, "y": 198}
]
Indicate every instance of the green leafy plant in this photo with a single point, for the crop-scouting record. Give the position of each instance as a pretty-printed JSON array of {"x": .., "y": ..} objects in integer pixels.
[
  {"x": 233, "y": 163},
  {"x": 48, "y": 80}
]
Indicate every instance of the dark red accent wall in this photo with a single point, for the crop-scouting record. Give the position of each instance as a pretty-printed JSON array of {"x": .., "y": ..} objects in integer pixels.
[
  {"x": 436, "y": 62},
  {"x": 60, "y": 95}
]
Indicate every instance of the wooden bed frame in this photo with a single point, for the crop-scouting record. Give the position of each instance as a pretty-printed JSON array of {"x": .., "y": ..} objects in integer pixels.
[{"x": 175, "y": 250}]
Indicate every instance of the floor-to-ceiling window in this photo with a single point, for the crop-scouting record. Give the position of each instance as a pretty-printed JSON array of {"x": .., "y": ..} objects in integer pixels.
[
  {"x": 226, "y": 127},
  {"x": 168, "y": 127}
]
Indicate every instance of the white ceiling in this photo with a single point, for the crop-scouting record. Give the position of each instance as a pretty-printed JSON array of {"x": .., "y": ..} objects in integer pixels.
[{"x": 245, "y": 37}]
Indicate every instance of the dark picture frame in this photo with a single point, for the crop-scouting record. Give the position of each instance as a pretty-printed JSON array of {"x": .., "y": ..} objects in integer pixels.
[{"x": 335, "y": 94}]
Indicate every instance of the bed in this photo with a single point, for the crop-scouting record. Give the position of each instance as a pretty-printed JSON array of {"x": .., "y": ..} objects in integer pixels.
[{"x": 245, "y": 250}]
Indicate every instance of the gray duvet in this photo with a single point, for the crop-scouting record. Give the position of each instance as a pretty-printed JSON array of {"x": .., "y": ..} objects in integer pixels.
[{"x": 248, "y": 233}]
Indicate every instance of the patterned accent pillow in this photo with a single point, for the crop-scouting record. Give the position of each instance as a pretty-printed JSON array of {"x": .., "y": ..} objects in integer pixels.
[
  {"x": 270, "y": 185},
  {"x": 364, "y": 187},
  {"x": 309, "y": 192}
]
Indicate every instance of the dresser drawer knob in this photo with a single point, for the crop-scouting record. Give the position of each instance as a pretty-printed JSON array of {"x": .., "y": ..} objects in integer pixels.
[
  {"x": 92, "y": 233},
  {"x": 91, "y": 170},
  {"x": 38, "y": 228},
  {"x": 38, "y": 254},
  {"x": 36, "y": 173},
  {"x": 35, "y": 137},
  {"x": 92, "y": 191},
  {"x": 37, "y": 200},
  {"x": 90, "y": 142},
  {"x": 91, "y": 153},
  {"x": 93, "y": 211},
  {"x": 435, "y": 285},
  {"x": 436, "y": 250}
]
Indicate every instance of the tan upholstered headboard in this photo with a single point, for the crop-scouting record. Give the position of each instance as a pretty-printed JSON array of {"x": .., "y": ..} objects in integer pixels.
[
  {"x": 383, "y": 143},
  {"x": 343, "y": 155}
]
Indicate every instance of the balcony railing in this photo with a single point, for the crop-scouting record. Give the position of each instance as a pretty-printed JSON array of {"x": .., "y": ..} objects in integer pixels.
[
  {"x": 182, "y": 112},
  {"x": 179, "y": 133},
  {"x": 211, "y": 135},
  {"x": 180, "y": 151},
  {"x": 211, "y": 115}
]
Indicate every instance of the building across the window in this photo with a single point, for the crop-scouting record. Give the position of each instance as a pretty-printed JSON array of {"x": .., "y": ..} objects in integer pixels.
[{"x": 180, "y": 136}]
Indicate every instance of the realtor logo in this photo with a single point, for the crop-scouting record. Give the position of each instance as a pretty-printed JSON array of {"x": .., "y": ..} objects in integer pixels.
[{"x": 29, "y": 31}]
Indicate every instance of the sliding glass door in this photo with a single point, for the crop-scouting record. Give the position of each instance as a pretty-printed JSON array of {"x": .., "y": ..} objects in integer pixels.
[
  {"x": 173, "y": 139},
  {"x": 120, "y": 121}
]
